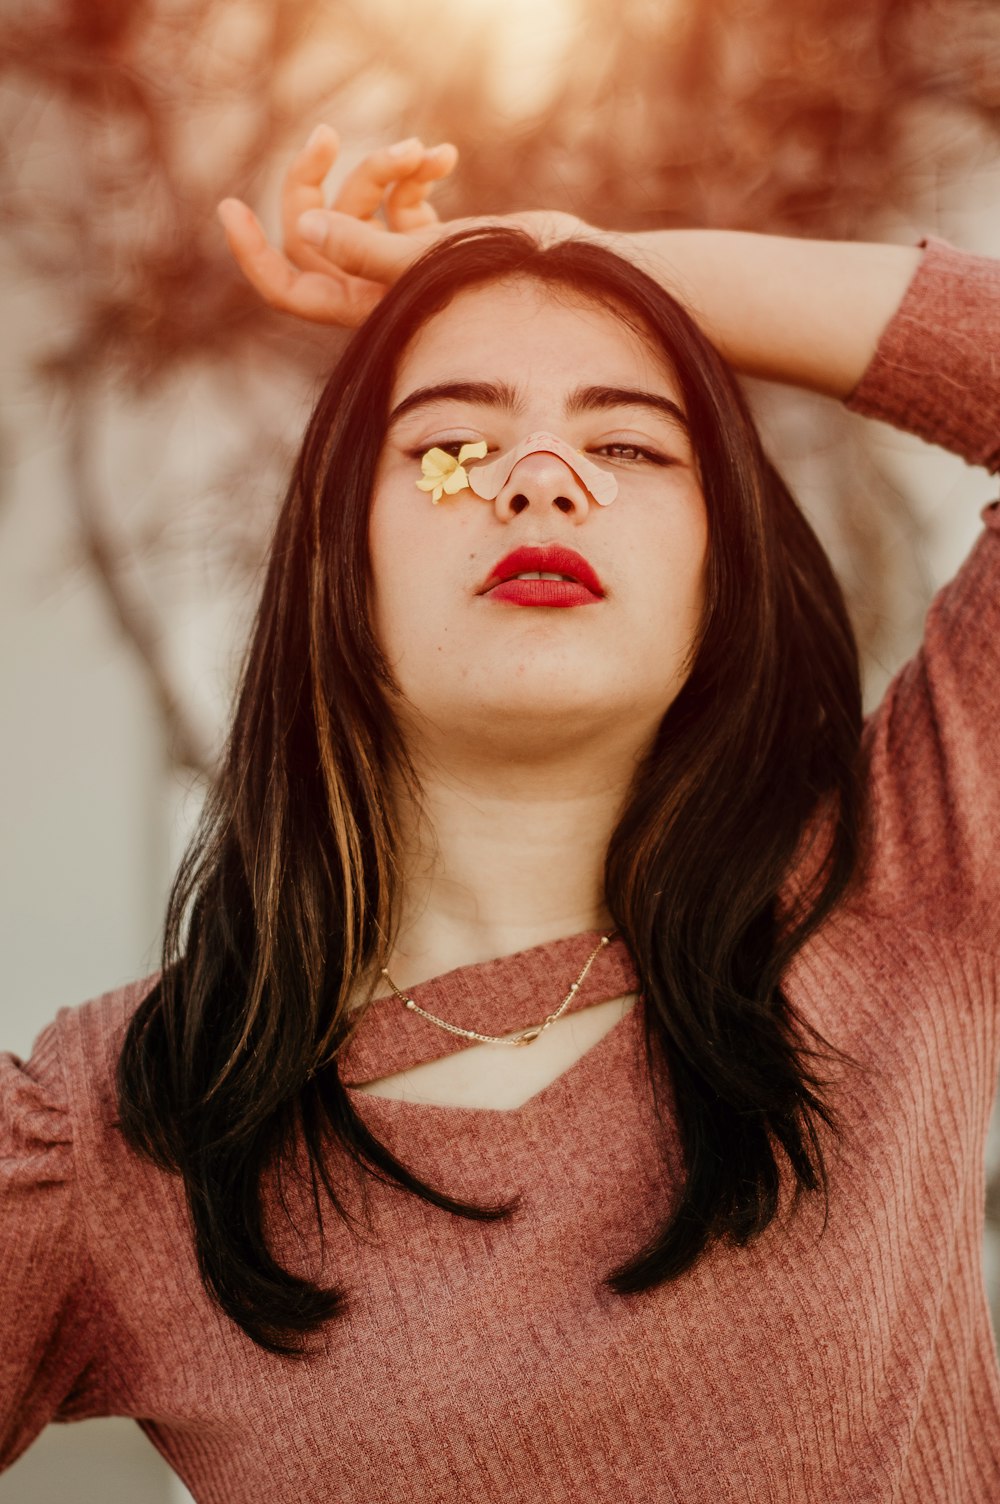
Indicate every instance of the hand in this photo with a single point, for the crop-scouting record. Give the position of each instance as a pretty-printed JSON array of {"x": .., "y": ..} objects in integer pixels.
[
  {"x": 341, "y": 279},
  {"x": 336, "y": 263}
]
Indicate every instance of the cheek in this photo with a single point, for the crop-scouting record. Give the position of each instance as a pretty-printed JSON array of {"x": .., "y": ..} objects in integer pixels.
[
  {"x": 411, "y": 552},
  {"x": 678, "y": 563},
  {"x": 695, "y": 542}
]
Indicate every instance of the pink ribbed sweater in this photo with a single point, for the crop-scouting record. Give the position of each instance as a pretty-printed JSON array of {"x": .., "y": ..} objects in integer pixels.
[{"x": 485, "y": 1362}]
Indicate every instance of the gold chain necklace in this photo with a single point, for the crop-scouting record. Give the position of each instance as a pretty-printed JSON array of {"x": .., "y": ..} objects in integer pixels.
[{"x": 526, "y": 1035}]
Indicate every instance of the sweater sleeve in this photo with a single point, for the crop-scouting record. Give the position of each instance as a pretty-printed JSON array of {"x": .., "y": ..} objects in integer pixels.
[
  {"x": 49, "y": 1347},
  {"x": 932, "y": 748}
]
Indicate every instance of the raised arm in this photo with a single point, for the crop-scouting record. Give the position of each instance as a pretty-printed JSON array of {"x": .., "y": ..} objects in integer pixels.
[
  {"x": 805, "y": 312},
  {"x": 931, "y": 747}
]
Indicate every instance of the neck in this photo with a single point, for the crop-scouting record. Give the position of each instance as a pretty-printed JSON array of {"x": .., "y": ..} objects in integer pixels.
[{"x": 501, "y": 859}]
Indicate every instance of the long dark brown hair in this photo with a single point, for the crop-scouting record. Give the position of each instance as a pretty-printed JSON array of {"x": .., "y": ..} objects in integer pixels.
[{"x": 290, "y": 887}]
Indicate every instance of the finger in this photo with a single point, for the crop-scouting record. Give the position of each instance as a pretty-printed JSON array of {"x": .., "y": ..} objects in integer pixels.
[
  {"x": 358, "y": 248},
  {"x": 362, "y": 191},
  {"x": 314, "y": 296},
  {"x": 302, "y": 189},
  {"x": 309, "y": 168},
  {"x": 406, "y": 207}
]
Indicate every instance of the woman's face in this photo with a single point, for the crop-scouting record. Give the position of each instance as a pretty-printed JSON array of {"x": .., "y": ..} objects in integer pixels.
[{"x": 500, "y": 362}]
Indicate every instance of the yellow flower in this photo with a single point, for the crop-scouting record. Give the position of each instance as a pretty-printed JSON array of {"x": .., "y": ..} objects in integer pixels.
[{"x": 443, "y": 473}]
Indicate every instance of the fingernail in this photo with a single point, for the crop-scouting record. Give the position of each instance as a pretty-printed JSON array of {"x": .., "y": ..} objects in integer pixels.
[
  {"x": 403, "y": 148},
  {"x": 314, "y": 137},
  {"x": 312, "y": 226}
]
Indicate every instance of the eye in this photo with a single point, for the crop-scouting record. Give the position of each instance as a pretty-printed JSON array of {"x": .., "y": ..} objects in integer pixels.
[
  {"x": 450, "y": 446},
  {"x": 633, "y": 453}
]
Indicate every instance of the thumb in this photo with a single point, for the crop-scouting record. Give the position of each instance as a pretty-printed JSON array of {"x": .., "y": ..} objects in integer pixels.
[{"x": 358, "y": 247}]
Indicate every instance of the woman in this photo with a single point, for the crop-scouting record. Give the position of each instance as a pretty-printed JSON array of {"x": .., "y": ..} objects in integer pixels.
[{"x": 555, "y": 917}]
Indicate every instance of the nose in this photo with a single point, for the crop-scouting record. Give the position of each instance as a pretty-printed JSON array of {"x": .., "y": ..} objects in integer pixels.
[{"x": 542, "y": 481}]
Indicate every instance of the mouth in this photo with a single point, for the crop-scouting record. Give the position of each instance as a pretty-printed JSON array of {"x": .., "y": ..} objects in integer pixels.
[{"x": 550, "y": 575}]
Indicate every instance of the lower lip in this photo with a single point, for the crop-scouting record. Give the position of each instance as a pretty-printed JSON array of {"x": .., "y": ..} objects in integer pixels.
[{"x": 543, "y": 593}]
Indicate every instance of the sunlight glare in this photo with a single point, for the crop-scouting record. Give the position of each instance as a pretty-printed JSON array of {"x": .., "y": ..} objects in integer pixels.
[{"x": 530, "y": 42}]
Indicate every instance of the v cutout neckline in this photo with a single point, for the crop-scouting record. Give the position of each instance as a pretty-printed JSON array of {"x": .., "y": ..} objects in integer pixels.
[
  {"x": 497, "y": 997},
  {"x": 571, "y": 1081}
]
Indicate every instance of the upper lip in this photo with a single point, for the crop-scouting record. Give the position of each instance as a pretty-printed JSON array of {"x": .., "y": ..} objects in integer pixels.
[{"x": 551, "y": 559}]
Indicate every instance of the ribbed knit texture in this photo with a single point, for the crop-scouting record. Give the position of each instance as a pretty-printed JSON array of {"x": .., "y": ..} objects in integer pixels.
[{"x": 847, "y": 1365}]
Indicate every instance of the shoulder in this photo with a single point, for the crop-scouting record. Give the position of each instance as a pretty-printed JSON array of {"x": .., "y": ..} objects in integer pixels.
[
  {"x": 92, "y": 1034},
  {"x": 74, "y": 1215},
  {"x": 64, "y": 1093}
]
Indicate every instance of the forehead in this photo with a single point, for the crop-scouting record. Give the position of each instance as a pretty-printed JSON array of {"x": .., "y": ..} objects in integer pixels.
[{"x": 531, "y": 334}]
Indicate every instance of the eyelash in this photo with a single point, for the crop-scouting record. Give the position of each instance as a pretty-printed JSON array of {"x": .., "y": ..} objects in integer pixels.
[
  {"x": 652, "y": 455},
  {"x": 452, "y": 447}
]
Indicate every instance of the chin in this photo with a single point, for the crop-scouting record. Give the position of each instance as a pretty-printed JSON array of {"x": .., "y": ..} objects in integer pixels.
[{"x": 537, "y": 716}]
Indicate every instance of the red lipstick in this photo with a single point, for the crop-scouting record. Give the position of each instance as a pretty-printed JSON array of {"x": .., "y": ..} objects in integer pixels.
[{"x": 581, "y": 587}]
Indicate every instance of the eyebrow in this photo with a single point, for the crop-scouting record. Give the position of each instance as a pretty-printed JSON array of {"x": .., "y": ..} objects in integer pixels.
[
  {"x": 483, "y": 393},
  {"x": 589, "y": 398},
  {"x": 502, "y": 395}
]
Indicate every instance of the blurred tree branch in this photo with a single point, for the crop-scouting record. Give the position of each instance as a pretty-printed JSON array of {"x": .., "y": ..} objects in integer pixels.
[{"x": 186, "y": 746}]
